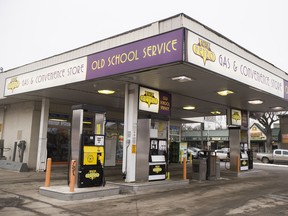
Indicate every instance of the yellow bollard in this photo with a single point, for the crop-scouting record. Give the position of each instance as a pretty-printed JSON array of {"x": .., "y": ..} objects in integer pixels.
[
  {"x": 168, "y": 176},
  {"x": 72, "y": 176},
  {"x": 191, "y": 158},
  {"x": 184, "y": 168},
  {"x": 48, "y": 172}
]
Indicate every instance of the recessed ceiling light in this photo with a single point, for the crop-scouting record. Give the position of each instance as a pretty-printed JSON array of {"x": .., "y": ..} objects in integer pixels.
[
  {"x": 189, "y": 107},
  {"x": 106, "y": 91},
  {"x": 182, "y": 79},
  {"x": 255, "y": 102},
  {"x": 216, "y": 112},
  {"x": 59, "y": 120},
  {"x": 277, "y": 108},
  {"x": 225, "y": 92}
]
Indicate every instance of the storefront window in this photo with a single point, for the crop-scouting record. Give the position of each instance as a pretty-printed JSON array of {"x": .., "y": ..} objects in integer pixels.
[
  {"x": 174, "y": 133},
  {"x": 114, "y": 134},
  {"x": 58, "y": 139}
]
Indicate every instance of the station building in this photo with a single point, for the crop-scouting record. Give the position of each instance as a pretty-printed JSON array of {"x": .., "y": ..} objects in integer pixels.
[{"x": 162, "y": 74}]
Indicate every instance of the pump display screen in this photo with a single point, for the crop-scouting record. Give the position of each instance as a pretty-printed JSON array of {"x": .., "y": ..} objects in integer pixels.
[{"x": 99, "y": 140}]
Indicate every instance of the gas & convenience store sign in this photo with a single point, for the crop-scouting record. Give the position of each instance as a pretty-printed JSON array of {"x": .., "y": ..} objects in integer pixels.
[
  {"x": 207, "y": 54},
  {"x": 57, "y": 75}
]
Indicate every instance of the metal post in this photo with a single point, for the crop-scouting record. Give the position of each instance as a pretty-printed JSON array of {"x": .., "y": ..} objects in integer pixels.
[
  {"x": 1, "y": 148},
  {"x": 77, "y": 129},
  {"x": 21, "y": 152},
  {"x": 14, "y": 151}
]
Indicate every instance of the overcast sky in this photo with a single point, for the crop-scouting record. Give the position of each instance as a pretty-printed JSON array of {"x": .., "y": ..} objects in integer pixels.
[{"x": 35, "y": 29}]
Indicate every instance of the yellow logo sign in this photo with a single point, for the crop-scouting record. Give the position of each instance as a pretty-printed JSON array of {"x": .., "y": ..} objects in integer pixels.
[
  {"x": 236, "y": 116},
  {"x": 203, "y": 50},
  {"x": 149, "y": 98},
  {"x": 157, "y": 169},
  {"x": 92, "y": 174},
  {"x": 14, "y": 83},
  {"x": 244, "y": 163}
]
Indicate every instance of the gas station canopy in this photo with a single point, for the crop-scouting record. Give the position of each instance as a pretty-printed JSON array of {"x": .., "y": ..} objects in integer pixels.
[{"x": 177, "y": 55}]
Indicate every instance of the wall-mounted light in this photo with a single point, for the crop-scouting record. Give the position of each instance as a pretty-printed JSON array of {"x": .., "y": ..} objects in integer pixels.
[
  {"x": 255, "y": 102},
  {"x": 189, "y": 107},
  {"x": 106, "y": 91},
  {"x": 225, "y": 92}
]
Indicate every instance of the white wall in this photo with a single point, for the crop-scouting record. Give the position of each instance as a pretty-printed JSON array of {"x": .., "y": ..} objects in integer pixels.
[{"x": 22, "y": 123}]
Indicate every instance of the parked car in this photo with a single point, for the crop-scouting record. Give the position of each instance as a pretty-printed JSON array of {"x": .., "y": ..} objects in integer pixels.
[
  {"x": 194, "y": 151},
  {"x": 278, "y": 155},
  {"x": 226, "y": 149},
  {"x": 222, "y": 154}
]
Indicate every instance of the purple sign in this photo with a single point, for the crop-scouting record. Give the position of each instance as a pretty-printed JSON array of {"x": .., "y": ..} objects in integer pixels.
[
  {"x": 157, "y": 50},
  {"x": 164, "y": 103}
]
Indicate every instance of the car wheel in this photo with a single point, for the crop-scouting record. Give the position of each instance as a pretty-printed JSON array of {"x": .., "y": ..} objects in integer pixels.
[{"x": 265, "y": 160}]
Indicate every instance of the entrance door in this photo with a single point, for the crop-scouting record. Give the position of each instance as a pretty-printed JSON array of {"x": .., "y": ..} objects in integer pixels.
[{"x": 58, "y": 139}]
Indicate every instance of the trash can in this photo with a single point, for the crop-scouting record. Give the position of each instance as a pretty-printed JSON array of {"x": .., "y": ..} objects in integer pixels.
[
  {"x": 199, "y": 169},
  {"x": 211, "y": 158},
  {"x": 211, "y": 167},
  {"x": 250, "y": 158}
]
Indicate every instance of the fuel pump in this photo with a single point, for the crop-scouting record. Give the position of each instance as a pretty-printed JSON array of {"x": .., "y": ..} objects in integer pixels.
[
  {"x": 157, "y": 159},
  {"x": 158, "y": 151},
  {"x": 243, "y": 156},
  {"x": 88, "y": 127},
  {"x": 91, "y": 164}
]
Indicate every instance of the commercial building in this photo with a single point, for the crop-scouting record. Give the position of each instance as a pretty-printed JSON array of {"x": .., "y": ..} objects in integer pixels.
[{"x": 168, "y": 71}]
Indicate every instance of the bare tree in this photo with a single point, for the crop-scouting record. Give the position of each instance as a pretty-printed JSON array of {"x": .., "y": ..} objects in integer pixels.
[
  {"x": 267, "y": 119},
  {"x": 191, "y": 126}
]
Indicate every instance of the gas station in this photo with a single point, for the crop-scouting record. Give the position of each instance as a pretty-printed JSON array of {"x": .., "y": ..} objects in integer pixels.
[{"x": 165, "y": 73}]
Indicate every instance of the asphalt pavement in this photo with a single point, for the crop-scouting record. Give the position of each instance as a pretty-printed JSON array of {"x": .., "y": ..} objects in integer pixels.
[{"x": 260, "y": 191}]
